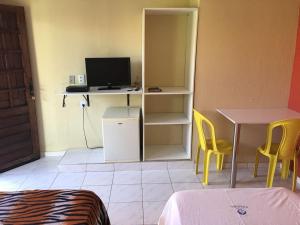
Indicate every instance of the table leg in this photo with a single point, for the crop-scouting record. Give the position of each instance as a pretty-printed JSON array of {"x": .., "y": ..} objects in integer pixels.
[{"x": 236, "y": 140}]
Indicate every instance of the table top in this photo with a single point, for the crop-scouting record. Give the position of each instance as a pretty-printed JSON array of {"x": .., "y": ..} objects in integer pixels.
[{"x": 258, "y": 116}]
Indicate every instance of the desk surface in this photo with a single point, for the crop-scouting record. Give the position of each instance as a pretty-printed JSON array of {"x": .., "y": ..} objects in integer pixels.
[
  {"x": 123, "y": 91},
  {"x": 258, "y": 116}
]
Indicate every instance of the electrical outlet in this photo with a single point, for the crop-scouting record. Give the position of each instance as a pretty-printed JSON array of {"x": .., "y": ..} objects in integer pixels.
[
  {"x": 82, "y": 104},
  {"x": 72, "y": 79},
  {"x": 81, "y": 79}
]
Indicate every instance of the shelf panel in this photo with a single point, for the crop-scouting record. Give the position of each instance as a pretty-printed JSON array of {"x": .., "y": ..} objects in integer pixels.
[
  {"x": 165, "y": 152},
  {"x": 169, "y": 11},
  {"x": 169, "y": 91},
  {"x": 165, "y": 118}
]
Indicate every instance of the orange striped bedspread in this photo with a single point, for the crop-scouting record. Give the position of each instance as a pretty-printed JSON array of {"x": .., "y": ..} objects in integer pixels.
[{"x": 52, "y": 207}]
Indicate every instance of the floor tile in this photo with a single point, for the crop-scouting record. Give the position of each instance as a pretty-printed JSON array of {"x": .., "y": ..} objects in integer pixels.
[
  {"x": 11, "y": 182},
  {"x": 38, "y": 181},
  {"x": 77, "y": 156},
  {"x": 250, "y": 184},
  {"x": 242, "y": 174},
  {"x": 126, "y": 213},
  {"x": 216, "y": 185},
  {"x": 128, "y": 166},
  {"x": 68, "y": 180},
  {"x": 126, "y": 193},
  {"x": 157, "y": 192},
  {"x": 152, "y": 211},
  {"x": 95, "y": 156},
  {"x": 220, "y": 177},
  {"x": 102, "y": 191},
  {"x": 25, "y": 169},
  {"x": 46, "y": 169},
  {"x": 155, "y": 176},
  {"x": 154, "y": 165},
  {"x": 47, "y": 164},
  {"x": 50, "y": 159},
  {"x": 282, "y": 183},
  {"x": 186, "y": 186},
  {"x": 72, "y": 168},
  {"x": 65, "y": 188},
  {"x": 212, "y": 166},
  {"x": 98, "y": 178},
  {"x": 185, "y": 176},
  {"x": 100, "y": 167},
  {"x": 177, "y": 165},
  {"x": 127, "y": 177}
]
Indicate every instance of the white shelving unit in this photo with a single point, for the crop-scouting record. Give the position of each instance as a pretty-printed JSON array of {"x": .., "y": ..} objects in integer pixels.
[{"x": 169, "y": 49}]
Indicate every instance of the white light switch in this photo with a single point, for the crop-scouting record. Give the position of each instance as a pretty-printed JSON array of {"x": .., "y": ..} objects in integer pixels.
[
  {"x": 81, "y": 79},
  {"x": 72, "y": 79}
]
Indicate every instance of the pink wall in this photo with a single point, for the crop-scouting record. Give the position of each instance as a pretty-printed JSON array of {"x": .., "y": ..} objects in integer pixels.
[{"x": 294, "y": 99}]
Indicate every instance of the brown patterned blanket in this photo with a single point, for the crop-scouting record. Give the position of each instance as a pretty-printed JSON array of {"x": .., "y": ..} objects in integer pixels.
[{"x": 63, "y": 207}]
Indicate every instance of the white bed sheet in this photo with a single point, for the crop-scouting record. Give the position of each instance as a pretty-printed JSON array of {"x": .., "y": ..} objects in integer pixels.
[{"x": 247, "y": 206}]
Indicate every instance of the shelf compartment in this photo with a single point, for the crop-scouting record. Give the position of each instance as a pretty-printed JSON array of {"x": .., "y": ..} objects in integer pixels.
[
  {"x": 164, "y": 142},
  {"x": 165, "y": 152},
  {"x": 166, "y": 118},
  {"x": 169, "y": 91},
  {"x": 168, "y": 109}
]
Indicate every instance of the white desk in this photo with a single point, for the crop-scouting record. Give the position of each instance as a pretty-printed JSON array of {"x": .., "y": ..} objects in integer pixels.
[
  {"x": 251, "y": 116},
  {"x": 93, "y": 91}
]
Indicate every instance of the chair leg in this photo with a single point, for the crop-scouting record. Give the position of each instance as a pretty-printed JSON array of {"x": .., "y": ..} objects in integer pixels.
[
  {"x": 207, "y": 155},
  {"x": 197, "y": 160},
  {"x": 271, "y": 172},
  {"x": 220, "y": 159},
  {"x": 256, "y": 163},
  {"x": 285, "y": 169},
  {"x": 295, "y": 173}
]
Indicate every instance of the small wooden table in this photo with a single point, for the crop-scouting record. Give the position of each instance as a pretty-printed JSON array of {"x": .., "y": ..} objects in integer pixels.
[{"x": 251, "y": 116}]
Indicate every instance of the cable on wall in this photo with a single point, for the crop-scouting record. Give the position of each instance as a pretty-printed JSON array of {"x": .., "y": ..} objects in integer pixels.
[{"x": 84, "y": 133}]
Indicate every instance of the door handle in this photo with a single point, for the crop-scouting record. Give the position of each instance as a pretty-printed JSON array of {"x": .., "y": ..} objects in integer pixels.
[{"x": 31, "y": 90}]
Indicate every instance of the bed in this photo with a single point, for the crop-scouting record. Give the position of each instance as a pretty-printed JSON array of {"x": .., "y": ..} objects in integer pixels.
[
  {"x": 255, "y": 206},
  {"x": 52, "y": 207}
]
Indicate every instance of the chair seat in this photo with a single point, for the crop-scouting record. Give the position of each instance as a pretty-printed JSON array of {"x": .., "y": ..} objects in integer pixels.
[
  {"x": 273, "y": 151},
  {"x": 223, "y": 146}
]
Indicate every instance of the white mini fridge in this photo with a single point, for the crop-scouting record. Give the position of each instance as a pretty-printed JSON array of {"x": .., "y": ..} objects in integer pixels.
[{"x": 121, "y": 134}]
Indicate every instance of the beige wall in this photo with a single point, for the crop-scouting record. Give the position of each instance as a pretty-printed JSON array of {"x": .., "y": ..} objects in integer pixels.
[
  {"x": 244, "y": 60},
  {"x": 61, "y": 34}
]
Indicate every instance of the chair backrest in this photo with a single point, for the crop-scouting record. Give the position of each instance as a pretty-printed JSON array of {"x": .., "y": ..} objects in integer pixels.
[
  {"x": 200, "y": 120},
  {"x": 289, "y": 139}
]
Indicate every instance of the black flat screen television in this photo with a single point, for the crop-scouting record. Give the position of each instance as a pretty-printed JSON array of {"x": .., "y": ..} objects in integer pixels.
[{"x": 108, "y": 73}]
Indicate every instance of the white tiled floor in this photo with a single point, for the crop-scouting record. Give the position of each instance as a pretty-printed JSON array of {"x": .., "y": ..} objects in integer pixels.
[{"x": 134, "y": 193}]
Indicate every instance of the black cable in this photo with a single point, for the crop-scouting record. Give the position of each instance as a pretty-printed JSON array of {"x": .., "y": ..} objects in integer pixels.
[{"x": 84, "y": 134}]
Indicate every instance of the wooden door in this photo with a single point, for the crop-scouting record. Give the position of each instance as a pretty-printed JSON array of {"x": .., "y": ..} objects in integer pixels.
[{"x": 18, "y": 124}]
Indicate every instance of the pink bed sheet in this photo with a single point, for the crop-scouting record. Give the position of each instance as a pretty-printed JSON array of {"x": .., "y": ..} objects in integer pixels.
[{"x": 255, "y": 206}]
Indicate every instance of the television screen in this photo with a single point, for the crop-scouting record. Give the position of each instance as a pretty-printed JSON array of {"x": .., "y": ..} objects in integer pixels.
[{"x": 108, "y": 71}]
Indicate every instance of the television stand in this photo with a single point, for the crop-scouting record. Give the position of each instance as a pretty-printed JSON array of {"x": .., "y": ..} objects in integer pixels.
[{"x": 109, "y": 88}]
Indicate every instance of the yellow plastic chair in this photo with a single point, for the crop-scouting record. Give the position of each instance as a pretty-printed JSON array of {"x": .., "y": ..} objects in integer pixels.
[
  {"x": 218, "y": 147},
  {"x": 284, "y": 151}
]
